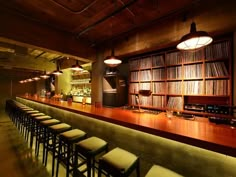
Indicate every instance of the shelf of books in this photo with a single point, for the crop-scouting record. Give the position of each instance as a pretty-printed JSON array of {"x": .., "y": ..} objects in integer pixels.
[{"x": 176, "y": 77}]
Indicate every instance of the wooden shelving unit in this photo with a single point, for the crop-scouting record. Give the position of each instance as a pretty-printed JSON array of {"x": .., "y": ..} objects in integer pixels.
[
  {"x": 81, "y": 86},
  {"x": 177, "y": 78}
]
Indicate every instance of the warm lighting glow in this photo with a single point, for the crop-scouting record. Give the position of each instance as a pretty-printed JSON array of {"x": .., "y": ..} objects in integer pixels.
[
  {"x": 44, "y": 75},
  {"x": 36, "y": 78},
  {"x": 77, "y": 68},
  {"x": 29, "y": 80},
  {"x": 5, "y": 49},
  {"x": 112, "y": 61},
  {"x": 194, "y": 40},
  {"x": 57, "y": 72}
]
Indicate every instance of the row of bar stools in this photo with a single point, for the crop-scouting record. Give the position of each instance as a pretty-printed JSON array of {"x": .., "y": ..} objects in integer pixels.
[
  {"x": 71, "y": 148},
  {"x": 42, "y": 136},
  {"x": 118, "y": 163},
  {"x": 66, "y": 148},
  {"x": 52, "y": 134},
  {"x": 88, "y": 149}
]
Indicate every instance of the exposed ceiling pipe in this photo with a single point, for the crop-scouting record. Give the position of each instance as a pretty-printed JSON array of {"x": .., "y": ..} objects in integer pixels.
[
  {"x": 173, "y": 13},
  {"x": 127, "y": 8},
  {"x": 75, "y": 12},
  {"x": 105, "y": 18}
]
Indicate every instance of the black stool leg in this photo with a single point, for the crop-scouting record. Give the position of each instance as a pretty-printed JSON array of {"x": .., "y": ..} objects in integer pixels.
[
  {"x": 53, "y": 152},
  {"x": 58, "y": 159}
]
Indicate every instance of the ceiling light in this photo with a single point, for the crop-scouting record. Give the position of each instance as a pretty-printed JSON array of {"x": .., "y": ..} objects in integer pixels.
[
  {"x": 57, "y": 72},
  {"x": 44, "y": 75},
  {"x": 36, "y": 78},
  {"x": 77, "y": 67},
  {"x": 29, "y": 80},
  {"x": 112, "y": 61},
  {"x": 4, "y": 49},
  {"x": 194, "y": 40}
]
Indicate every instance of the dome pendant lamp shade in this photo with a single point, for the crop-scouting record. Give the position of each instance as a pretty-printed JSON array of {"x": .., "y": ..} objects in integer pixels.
[
  {"x": 44, "y": 75},
  {"x": 112, "y": 61},
  {"x": 57, "y": 72},
  {"x": 77, "y": 67},
  {"x": 194, "y": 40}
]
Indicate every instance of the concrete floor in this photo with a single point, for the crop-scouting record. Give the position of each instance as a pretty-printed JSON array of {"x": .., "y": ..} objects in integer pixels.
[{"x": 16, "y": 158}]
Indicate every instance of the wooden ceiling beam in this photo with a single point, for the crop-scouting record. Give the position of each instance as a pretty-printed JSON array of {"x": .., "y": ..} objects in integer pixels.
[{"x": 19, "y": 28}]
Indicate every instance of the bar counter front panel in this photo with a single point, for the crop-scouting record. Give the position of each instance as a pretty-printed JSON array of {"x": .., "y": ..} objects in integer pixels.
[{"x": 174, "y": 143}]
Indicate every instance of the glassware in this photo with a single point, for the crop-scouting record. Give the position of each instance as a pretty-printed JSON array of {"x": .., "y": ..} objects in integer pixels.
[{"x": 169, "y": 113}]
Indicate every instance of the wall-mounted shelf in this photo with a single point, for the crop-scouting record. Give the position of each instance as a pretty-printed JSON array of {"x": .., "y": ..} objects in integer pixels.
[
  {"x": 81, "y": 86},
  {"x": 175, "y": 77}
]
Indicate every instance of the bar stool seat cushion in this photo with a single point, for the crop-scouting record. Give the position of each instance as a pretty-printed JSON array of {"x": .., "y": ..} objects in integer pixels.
[
  {"x": 43, "y": 117},
  {"x": 159, "y": 171},
  {"x": 49, "y": 122},
  {"x": 37, "y": 114},
  {"x": 31, "y": 111},
  {"x": 92, "y": 145},
  {"x": 27, "y": 109},
  {"x": 58, "y": 128},
  {"x": 119, "y": 159},
  {"x": 72, "y": 134}
]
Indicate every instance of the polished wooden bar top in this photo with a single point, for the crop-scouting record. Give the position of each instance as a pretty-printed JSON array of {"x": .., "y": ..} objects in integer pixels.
[{"x": 199, "y": 132}]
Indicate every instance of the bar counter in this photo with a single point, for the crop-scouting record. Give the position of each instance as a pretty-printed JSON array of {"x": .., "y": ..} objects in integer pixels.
[
  {"x": 200, "y": 132},
  {"x": 191, "y": 148}
]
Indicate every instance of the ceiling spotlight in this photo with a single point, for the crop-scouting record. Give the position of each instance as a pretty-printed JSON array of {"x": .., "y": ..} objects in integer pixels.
[{"x": 194, "y": 40}]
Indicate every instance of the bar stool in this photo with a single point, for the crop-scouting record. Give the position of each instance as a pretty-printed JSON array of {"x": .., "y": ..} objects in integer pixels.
[
  {"x": 38, "y": 132},
  {"x": 159, "y": 171},
  {"x": 88, "y": 150},
  {"x": 66, "y": 150},
  {"x": 118, "y": 163},
  {"x": 30, "y": 126},
  {"x": 55, "y": 130},
  {"x": 24, "y": 121},
  {"x": 43, "y": 137},
  {"x": 19, "y": 116}
]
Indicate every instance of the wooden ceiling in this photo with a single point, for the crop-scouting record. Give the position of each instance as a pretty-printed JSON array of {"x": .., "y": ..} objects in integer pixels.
[
  {"x": 94, "y": 21},
  {"x": 51, "y": 29}
]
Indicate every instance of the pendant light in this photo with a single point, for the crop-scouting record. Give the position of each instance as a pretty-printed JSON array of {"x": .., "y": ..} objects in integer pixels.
[
  {"x": 44, "y": 75},
  {"x": 57, "y": 72},
  {"x": 77, "y": 67},
  {"x": 194, "y": 40},
  {"x": 112, "y": 61},
  {"x": 36, "y": 78}
]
